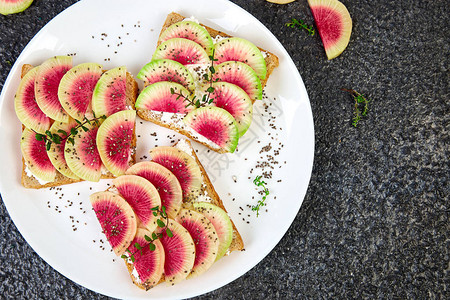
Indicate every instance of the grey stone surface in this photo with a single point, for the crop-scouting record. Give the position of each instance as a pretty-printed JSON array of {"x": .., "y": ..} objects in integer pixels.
[{"x": 374, "y": 223}]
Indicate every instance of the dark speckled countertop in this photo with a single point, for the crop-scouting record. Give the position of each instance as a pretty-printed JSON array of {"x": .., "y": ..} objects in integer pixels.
[{"x": 374, "y": 222}]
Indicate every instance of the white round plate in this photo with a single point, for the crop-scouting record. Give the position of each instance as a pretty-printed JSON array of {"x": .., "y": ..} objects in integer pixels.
[{"x": 59, "y": 223}]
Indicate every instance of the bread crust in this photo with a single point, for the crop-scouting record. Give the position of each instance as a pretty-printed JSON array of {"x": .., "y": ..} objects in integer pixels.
[
  {"x": 32, "y": 183},
  {"x": 271, "y": 63}
]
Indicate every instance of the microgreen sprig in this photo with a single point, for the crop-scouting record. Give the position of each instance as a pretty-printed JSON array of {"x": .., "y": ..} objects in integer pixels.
[
  {"x": 206, "y": 98},
  {"x": 61, "y": 135},
  {"x": 361, "y": 106},
  {"x": 301, "y": 24},
  {"x": 265, "y": 192},
  {"x": 150, "y": 239}
]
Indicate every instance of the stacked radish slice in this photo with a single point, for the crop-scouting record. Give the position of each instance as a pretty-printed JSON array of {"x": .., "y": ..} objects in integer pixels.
[
  {"x": 204, "y": 90},
  {"x": 56, "y": 98},
  {"x": 130, "y": 215}
]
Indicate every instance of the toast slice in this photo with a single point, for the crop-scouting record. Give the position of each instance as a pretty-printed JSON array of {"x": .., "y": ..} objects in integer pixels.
[
  {"x": 175, "y": 121},
  {"x": 28, "y": 180},
  {"x": 208, "y": 191}
]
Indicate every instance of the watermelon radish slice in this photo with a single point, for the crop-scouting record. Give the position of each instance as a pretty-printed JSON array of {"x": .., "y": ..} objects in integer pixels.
[
  {"x": 334, "y": 24},
  {"x": 205, "y": 239},
  {"x": 76, "y": 88},
  {"x": 82, "y": 156},
  {"x": 142, "y": 197},
  {"x": 179, "y": 252},
  {"x": 8, "y": 7},
  {"x": 56, "y": 151},
  {"x": 114, "y": 139},
  {"x": 242, "y": 75},
  {"x": 158, "y": 97},
  {"x": 110, "y": 93},
  {"x": 182, "y": 165},
  {"x": 181, "y": 50},
  {"x": 191, "y": 31},
  {"x": 35, "y": 155},
  {"x": 46, "y": 86},
  {"x": 166, "y": 70},
  {"x": 236, "y": 101},
  {"x": 117, "y": 219},
  {"x": 148, "y": 264},
  {"x": 222, "y": 223},
  {"x": 216, "y": 124},
  {"x": 26, "y": 107},
  {"x": 238, "y": 49},
  {"x": 165, "y": 182}
]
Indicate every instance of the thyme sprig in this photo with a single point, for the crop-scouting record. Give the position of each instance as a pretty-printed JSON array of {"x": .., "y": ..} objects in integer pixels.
[
  {"x": 265, "y": 192},
  {"x": 161, "y": 224},
  {"x": 361, "y": 106},
  {"x": 301, "y": 24},
  {"x": 61, "y": 135},
  {"x": 206, "y": 98}
]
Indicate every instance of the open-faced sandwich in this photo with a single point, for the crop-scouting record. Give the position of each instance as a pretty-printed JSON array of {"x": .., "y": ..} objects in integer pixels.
[
  {"x": 73, "y": 120},
  {"x": 165, "y": 218}
]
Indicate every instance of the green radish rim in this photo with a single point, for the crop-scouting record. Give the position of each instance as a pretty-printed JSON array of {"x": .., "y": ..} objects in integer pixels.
[
  {"x": 56, "y": 151},
  {"x": 189, "y": 30},
  {"x": 26, "y": 107},
  {"x": 35, "y": 156},
  {"x": 77, "y": 87},
  {"x": 221, "y": 222},
  {"x": 110, "y": 94},
  {"x": 114, "y": 138},
  {"x": 46, "y": 84},
  {"x": 239, "y": 49},
  {"x": 216, "y": 125},
  {"x": 181, "y": 50},
  {"x": 13, "y": 7},
  {"x": 166, "y": 70}
]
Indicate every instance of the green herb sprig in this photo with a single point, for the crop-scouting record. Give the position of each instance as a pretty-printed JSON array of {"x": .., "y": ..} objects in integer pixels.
[
  {"x": 260, "y": 183},
  {"x": 361, "y": 106},
  {"x": 56, "y": 138},
  {"x": 301, "y": 24},
  {"x": 206, "y": 98},
  {"x": 161, "y": 224}
]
